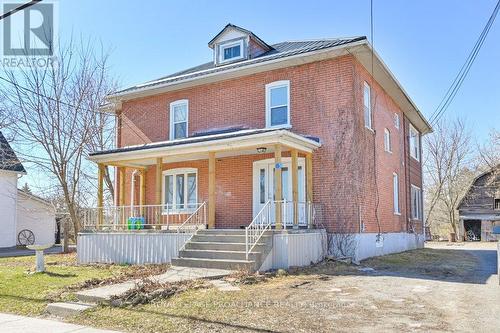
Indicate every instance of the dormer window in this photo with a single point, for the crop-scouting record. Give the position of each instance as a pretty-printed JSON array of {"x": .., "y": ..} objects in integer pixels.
[
  {"x": 234, "y": 43},
  {"x": 231, "y": 51}
]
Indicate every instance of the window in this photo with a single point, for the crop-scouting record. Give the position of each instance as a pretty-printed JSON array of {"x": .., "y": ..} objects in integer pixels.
[
  {"x": 231, "y": 51},
  {"x": 368, "y": 106},
  {"x": 387, "y": 140},
  {"x": 414, "y": 143},
  {"x": 396, "y": 120},
  {"x": 179, "y": 119},
  {"x": 180, "y": 189},
  {"x": 395, "y": 186},
  {"x": 278, "y": 104},
  {"x": 416, "y": 203},
  {"x": 497, "y": 203}
]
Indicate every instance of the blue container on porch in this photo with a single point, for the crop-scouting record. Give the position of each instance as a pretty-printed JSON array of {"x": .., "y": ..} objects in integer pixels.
[{"x": 135, "y": 223}]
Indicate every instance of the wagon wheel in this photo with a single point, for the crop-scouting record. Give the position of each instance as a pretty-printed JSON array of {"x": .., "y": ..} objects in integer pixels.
[{"x": 26, "y": 237}]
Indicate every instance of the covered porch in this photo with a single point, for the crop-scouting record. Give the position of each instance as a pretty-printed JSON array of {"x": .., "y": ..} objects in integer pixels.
[{"x": 231, "y": 179}]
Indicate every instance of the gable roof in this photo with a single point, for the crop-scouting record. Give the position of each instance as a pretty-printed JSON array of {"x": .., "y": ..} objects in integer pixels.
[
  {"x": 495, "y": 171},
  {"x": 279, "y": 50},
  {"x": 245, "y": 31},
  {"x": 8, "y": 158}
]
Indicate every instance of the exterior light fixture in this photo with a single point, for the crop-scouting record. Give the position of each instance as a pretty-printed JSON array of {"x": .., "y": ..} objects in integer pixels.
[{"x": 261, "y": 150}]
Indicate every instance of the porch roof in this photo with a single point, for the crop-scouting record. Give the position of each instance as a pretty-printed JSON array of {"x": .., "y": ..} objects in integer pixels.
[{"x": 233, "y": 143}]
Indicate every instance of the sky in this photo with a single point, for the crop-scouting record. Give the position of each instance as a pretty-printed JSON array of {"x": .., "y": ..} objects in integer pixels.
[{"x": 423, "y": 42}]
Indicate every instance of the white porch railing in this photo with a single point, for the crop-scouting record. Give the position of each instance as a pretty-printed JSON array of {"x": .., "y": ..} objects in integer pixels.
[
  {"x": 308, "y": 213},
  {"x": 158, "y": 217},
  {"x": 256, "y": 229}
]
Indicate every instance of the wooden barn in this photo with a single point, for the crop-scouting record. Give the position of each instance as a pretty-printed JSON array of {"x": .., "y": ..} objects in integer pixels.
[{"x": 479, "y": 210}]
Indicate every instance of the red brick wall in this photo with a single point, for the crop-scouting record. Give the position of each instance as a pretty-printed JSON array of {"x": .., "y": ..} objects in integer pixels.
[{"x": 327, "y": 102}]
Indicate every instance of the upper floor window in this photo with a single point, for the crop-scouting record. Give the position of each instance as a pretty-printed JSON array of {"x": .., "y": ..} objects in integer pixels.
[
  {"x": 414, "y": 143},
  {"x": 278, "y": 104},
  {"x": 367, "y": 105},
  {"x": 396, "y": 120},
  {"x": 387, "y": 140},
  {"x": 180, "y": 189},
  {"x": 497, "y": 204},
  {"x": 179, "y": 119},
  {"x": 416, "y": 203},
  {"x": 231, "y": 51}
]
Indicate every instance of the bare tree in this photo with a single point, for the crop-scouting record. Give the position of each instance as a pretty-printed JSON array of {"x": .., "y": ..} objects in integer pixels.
[
  {"x": 448, "y": 170},
  {"x": 489, "y": 152},
  {"x": 53, "y": 111}
]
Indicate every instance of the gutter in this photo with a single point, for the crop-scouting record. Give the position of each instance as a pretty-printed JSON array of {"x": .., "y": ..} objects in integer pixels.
[{"x": 231, "y": 70}]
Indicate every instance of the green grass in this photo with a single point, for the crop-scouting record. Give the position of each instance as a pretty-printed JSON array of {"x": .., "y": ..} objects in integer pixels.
[
  {"x": 434, "y": 262},
  {"x": 27, "y": 293}
]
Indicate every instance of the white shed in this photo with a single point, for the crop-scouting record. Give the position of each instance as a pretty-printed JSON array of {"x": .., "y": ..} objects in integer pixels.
[
  {"x": 36, "y": 216},
  {"x": 21, "y": 212}
]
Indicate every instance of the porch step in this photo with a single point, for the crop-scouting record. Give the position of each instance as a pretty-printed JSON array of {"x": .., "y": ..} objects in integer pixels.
[
  {"x": 217, "y": 254},
  {"x": 221, "y": 246},
  {"x": 220, "y": 238},
  {"x": 215, "y": 263}
]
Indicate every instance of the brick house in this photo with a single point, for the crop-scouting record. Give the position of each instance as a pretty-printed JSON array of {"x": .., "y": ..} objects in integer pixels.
[{"x": 299, "y": 131}]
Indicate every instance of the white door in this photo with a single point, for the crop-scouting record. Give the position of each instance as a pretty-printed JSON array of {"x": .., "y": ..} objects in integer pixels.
[{"x": 263, "y": 189}]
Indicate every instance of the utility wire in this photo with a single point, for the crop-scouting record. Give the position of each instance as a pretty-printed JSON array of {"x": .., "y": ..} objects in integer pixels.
[
  {"x": 72, "y": 105},
  {"x": 464, "y": 70},
  {"x": 19, "y": 8}
]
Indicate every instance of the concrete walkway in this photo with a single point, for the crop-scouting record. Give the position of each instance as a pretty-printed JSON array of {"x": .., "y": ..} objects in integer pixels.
[
  {"x": 13, "y": 323},
  {"x": 174, "y": 274}
]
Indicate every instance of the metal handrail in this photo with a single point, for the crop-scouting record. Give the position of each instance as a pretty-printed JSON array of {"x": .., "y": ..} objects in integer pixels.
[
  {"x": 255, "y": 230},
  {"x": 191, "y": 217},
  {"x": 195, "y": 213}
]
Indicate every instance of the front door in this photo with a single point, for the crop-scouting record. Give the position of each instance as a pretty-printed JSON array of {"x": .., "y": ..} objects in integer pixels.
[{"x": 263, "y": 189}]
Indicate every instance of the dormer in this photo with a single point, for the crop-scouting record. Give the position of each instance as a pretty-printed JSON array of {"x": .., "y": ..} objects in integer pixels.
[{"x": 234, "y": 44}]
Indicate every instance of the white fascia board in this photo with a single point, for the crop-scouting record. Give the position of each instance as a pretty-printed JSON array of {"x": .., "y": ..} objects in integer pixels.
[{"x": 283, "y": 137}]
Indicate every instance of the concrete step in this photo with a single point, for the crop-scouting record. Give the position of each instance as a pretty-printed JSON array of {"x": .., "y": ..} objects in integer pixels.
[
  {"x": 67, "y": 309},
  {"x": 222, "y": 238},
  {"x": 221, "y": 232},
  {"x": 217, "y": 254},
  {"x": 215, "y": 263},
  {"x": 221, "y": 246},
  {"x": 104, "y": 293}
]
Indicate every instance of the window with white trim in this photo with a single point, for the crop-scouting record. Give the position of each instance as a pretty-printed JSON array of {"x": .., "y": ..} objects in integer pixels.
[
  {"x": 387, "y": 140},
  {"x": 416, "y": 203},
  {"x": 180, "y": 189},
  {"x": 179, "y": 114},
  {"x": 396, "y": 120},
  {"x": 278, "y": 104},
  {"x": 414, "y": 143},
  {"x": 395, "y": 186},
  {"x": 367, "y": 105},
  {"x": 231, "y": 51}
]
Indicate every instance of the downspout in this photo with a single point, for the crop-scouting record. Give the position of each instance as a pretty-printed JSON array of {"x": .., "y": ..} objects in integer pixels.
[{"x": 132, "y": 191}]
